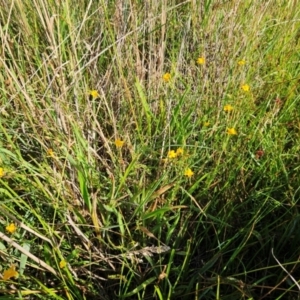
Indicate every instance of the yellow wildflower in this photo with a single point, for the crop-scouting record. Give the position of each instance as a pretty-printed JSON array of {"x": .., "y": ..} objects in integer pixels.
[
  {"x": 245, "y": 87},
  {"x": 119, "y": 143},
  {"x": 231, "y": 131},
  {"x": 2, "y": 172},
  {"x": 241, "y": 62},
  {"x": 201, "y": 60},
  {"x": 206, "y": 124},
  {"x": 50, "y": 153},
  {"x": 94, "y": 94},
  {"x": 228, "y": 107},
  {"x": 11, "y": 228},
  {"x": 172, "y": 154},
  {"x": 9, "y": 273},
  {"x": 188, "y": 172},
  {"x": 179, "y": 151},
  {"x": 166, "y": 77},
  {"x": 62, "y": 264}
]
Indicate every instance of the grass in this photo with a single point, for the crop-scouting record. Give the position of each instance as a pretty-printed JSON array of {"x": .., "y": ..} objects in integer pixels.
[{"x": 93, "y": 205}]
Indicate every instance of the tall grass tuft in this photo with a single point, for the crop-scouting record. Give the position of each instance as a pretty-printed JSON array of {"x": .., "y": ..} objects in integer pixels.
[{"x": 149, "y": 149}]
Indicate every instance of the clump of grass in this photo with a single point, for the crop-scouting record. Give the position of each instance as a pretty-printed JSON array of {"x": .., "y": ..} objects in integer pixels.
[{"x": 149, "y": 153}]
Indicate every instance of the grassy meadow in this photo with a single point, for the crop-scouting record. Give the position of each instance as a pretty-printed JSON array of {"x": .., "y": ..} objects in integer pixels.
[{"x": 149, "y": 149}]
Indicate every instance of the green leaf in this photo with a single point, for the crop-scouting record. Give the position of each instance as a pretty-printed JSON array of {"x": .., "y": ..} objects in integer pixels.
[
  {"x": 23, "y": 259},
  {"x": 139, "y": 288},
  {"x": 84, "y": 190}
]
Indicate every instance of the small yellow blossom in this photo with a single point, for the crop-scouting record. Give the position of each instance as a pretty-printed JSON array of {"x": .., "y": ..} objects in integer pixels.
[
  {"x": 2, "y": 172},
  {"x": 231, "y": 131},
  {"x": 172, "y": 154},
  {"x": 94, "y": 94},
  {"x": 206, "y": 124},
  {"x": 201, "y": 60},
  {"x": 62, "y": 264},
  {"x": 188, "y": 172},
  {"x": 11, "y": 228},
  {"x": 245, "y": 87},
  {"x": 119, "y": 143},
  {"x": 166, "y": 77},
  {"x": 9, "y": 273},
  {"x": 241, "y": 62},
  {"x": 179, "y": 151},
  {"x": 228, "y": 107},
  {"x": 50, "y": 153}
]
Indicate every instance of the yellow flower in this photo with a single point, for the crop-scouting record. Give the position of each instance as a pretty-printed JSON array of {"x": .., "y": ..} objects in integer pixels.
[
  {"x": 94, "y": 94},
  {"x": 9, "y": 273},
  {"x": 228, "y": 107},
  {"x": 119, "y": 143},
  {"x": 241, "y": 62},
  {"x": 179, "y": 151},
  {"x": 188, "y": 172},
  {"x": 172, "y": 154},
  {"x": 231, "y": 131},
  {"x": 50, "y": 153},
  {"x": 201, "y": 60},
  {"x": 62, "y": 264},
  {"x": 206, "y": 124},
  {"x": 2, "y": 172},
  {"x": 11, "y": 228},
  {"x": 245, "y": 87},
  {"x": 166, "y": 77}
]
